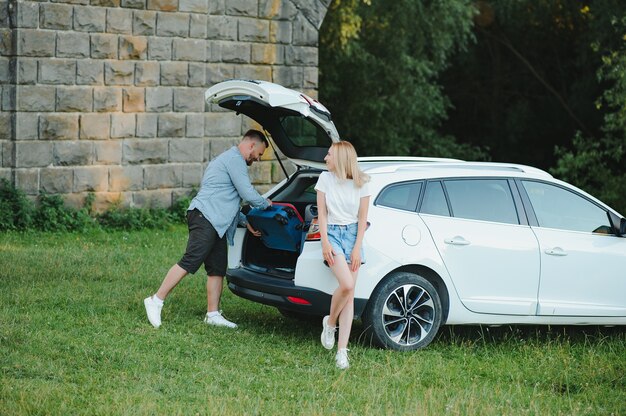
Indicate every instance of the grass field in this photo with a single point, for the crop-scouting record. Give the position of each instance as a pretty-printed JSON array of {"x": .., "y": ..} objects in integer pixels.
[{"x": 74, "y": 339}]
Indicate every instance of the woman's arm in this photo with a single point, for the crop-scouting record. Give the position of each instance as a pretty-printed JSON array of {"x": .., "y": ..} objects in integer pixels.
[
  {"x": 322, "y": 218},
  {"x": 355, "y": 256}
]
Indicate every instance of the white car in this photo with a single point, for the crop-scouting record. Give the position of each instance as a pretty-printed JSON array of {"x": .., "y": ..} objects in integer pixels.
[{"x": 450, "y": 242}]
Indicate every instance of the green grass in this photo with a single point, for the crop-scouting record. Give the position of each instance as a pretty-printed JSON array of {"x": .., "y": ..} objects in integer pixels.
[{"x": 74, "y": 339}]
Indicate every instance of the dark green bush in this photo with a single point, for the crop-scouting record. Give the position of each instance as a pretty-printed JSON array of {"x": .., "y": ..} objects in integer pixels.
[
  {"x": 16, "y": 210},
  {"x": 52, "y": 215}
]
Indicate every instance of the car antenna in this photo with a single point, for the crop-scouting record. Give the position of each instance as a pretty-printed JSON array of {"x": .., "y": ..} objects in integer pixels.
[{"x": 280, "y": 162}]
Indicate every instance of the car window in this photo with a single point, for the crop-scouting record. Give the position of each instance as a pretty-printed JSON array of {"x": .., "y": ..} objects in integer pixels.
[
  {"x": 482, "y": 199},
  {"x": 435, "y": 200},
  {"x": 556, "y": 207},
  {"x": 301, "y": 189},
  {"x": 303, "y": 132},
  {"x": 401, "y": 196}
]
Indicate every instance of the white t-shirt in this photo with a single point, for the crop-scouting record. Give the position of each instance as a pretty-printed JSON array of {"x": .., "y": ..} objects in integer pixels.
[{"x": 342, "y": 198}]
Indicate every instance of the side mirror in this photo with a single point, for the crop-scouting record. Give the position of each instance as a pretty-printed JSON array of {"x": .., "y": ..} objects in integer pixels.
[{"x": 618, "y": 224}]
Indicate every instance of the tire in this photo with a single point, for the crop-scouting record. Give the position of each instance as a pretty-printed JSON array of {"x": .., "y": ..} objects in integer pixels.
[{"x": 404, "y": 312}]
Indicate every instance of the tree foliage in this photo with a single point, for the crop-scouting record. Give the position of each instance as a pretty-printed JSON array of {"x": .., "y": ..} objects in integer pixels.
[{"x": 379, "y": 65}]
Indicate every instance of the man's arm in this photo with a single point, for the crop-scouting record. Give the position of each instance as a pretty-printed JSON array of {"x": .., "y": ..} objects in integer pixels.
[{"x": 238, "y": 172}]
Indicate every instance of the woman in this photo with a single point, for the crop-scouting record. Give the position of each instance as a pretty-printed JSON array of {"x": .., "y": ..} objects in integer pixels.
[{"x": 342, "y": 201}]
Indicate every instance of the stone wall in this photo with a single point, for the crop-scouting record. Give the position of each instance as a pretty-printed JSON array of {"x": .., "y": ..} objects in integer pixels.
[{"x": 107, "y": 96}]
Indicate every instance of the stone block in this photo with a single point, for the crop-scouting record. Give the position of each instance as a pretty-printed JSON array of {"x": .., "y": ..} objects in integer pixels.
[
  {"x": 142, "y": 151},
  {"x": 26, "y": 126},
  {"x": 189, "y": 50},
  {"x": 194, "y": 6},
  {"x": 217, "y": 7},
  {"x": 216, "y": 146},
  {"x": 159, "y": 99},
  {"x": 61, "y": 71},
  {"x": 147, "y": 125},
  {"x": 89, "y": 72},
  {"x": 198, "y": 26},
  {"x": 27, "y": 71},
  {"x": 33, "y": 153},
  {"x": 311, "y": 78},
  {"x": 94, "y": 126},
  {"x": 171, "y": 125},
  {"x": 56, "y": 180},
  {"x": 288, "y": 76},
  {"x": 277, "y": 9},
  {"x": 197, "y": 75},
  {"x": 5, "y": 72},
  {"x": 125, "y": 178},
  {"x": 105, "y": 3},
  {"x": 260, "y": 173},
  {"x": 192, "y": 176},
  {"x": 147, "y": 74},
  {"x": 91, "y": 179},
  {"x": 222, "y": 28},
  {"x": 27, "y": 15},
  {"x": 236, "y": 53},
  {"x": 104, "y": 46},
  {"x": 27, "y": 180},
  {"x": 280, "y": 32},
  {"x": 32, "y": 42},
  {"x": 163, "y": 5},
  {"x": 301, "y": 55},
  {"x": 267, "y": 54},
  {"x": 165, "y": 176},
  {"x": 160, "y": 49},
  {"x": 262, "y": 72},
  {"x": 152, "y": 199},
  {"x": 189, "y": 100},
  {"x": 174, "y": 73},
  {"x": 122, "y": 125},
  {"x": 195, "y": 125},
  {"x": 58, "y": 126},
  {"x": 119, "y": 73},
  {"x": 173, "y": 24},
  {"x": 120, "y": 21},
  {"x": 6, "y": 127},
  {"x": 186, "y": 150},
  {"x": 219, "y": 72},
  {"x": 105, "y": 200},
  {"x": 253, "y": 30},
  {"x": 144, "y": 23},
  {"x": 72, "y": 153},
  {"x": 55, "y": 16},
  {"x": 8, "y": 97},
  {"x": 133, "y": 47},
  {"x": 107, "y": 99},
  {"x": 108, "y": 152},
  {"x": 74, "y": 99},
  {"x": 242, "y": 8},
  {"x": 313, "y": 11},
  {"x": 133, "y": 100},
  {"x": 134, "y": 4},
  {"x": 89, "y": 19},
  {"x": 35, "y": 98},
  {"x": 304, "y": 33},
  {"x": 222, "y": 124}
]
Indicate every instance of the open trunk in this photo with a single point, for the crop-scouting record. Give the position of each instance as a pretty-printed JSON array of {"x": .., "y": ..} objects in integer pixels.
[{"x": 271, "y": 253}]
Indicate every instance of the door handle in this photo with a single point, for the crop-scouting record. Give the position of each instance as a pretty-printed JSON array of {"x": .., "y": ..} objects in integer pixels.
[
  {"x": 556, "y": 251},
  {"x": 456, "y": 241}
]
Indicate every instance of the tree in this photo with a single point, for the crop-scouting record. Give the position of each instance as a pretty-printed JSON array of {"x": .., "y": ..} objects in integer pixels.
[{"x": 379, "y": 68}]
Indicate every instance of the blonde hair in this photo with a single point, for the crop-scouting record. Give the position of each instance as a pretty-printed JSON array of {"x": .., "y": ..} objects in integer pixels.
[{"x": 346, "y": 166}]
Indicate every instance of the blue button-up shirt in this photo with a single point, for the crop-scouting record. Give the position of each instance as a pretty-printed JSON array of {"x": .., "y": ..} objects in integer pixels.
[{"x": 224, "y": 185}]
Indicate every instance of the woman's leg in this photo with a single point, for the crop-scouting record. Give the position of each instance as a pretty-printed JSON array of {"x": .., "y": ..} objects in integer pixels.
[
  {"x": 346, "y": 317},
  {"x": 344, "y": 293}
]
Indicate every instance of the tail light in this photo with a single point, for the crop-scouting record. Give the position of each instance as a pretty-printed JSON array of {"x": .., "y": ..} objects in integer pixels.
[{"x": 314, "y": 231}]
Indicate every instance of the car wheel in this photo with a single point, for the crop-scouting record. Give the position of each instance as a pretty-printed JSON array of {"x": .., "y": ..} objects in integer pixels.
[{"x": 404, "y": 312}]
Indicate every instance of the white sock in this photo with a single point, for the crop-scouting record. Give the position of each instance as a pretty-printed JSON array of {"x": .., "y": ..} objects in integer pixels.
[
  {"x": 158, "y": 300},
  {"x": 212, "y": 314}
]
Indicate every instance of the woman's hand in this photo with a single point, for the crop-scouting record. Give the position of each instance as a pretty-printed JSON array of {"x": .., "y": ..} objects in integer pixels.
[
  {"x": 355, "y": 259},
  {"x": 328, "y": 253}
]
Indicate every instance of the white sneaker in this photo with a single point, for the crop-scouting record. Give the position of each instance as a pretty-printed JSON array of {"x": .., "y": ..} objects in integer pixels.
[
  {"x": 153, "y": 310},
  {"x": 342, "y": 359},
  {"x": 328, "y": 334},
  {"x": 218, "y": 320}
]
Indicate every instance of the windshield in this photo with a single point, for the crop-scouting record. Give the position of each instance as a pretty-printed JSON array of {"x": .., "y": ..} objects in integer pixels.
[{"x": 302, "y": 132}]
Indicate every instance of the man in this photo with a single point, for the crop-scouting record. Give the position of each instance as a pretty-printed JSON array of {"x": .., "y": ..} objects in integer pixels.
[{"x": 212, "y": 218}]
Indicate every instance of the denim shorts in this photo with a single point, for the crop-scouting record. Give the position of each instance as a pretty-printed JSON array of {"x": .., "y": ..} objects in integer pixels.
[{"x": 343, "y": 238}]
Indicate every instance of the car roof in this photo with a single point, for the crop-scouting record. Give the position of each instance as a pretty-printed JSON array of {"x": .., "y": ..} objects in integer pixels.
[{"x": 444, "y": 168}]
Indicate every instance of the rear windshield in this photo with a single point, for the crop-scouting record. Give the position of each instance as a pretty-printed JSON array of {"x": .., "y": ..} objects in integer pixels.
[{"x": 303, "y": 132}]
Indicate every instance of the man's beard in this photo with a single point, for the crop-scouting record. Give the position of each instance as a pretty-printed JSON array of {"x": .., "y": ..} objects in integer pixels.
[{"x": 249, "y": 162}]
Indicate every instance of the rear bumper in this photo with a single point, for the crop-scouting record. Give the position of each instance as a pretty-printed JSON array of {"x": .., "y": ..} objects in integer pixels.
[{"x": 273, "y": 291}]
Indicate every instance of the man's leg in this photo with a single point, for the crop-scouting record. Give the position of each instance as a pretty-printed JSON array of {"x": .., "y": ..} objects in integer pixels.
[
  {"x": 213, "y": 292},
  {"x": 172, "y": 278},
  {"x": 216, "y": 269}
]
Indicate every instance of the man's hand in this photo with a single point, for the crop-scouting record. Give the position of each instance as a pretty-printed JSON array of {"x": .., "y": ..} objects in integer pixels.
[
  {"x": 269, "y": 201},
  {"x": 253, "y": 231}
]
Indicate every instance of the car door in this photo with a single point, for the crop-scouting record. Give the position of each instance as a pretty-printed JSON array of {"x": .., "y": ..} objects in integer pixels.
[
  {"x": 582, "y": 262},
  {"x": 493, "y": 260}
]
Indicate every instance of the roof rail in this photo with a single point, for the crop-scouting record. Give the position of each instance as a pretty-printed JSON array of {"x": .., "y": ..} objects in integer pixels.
[{"x": 494, "y": 166}]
